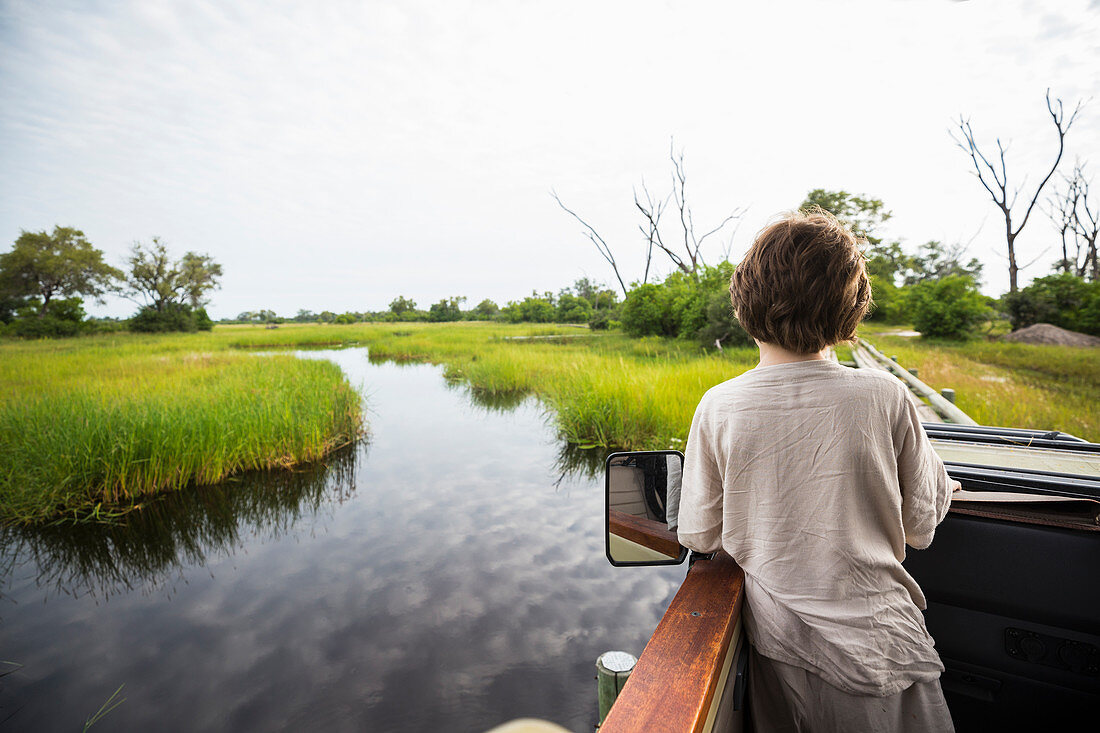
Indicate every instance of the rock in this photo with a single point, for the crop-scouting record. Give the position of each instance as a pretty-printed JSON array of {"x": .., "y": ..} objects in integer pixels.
[{"x": 1046, "y": 333}]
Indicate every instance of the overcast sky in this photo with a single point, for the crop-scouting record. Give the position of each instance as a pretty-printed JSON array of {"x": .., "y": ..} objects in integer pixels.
[{"x": 333, "y": 155}]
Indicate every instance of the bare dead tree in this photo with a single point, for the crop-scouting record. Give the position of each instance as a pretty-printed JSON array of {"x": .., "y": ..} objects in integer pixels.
[
  {"x": 1060, "y": 208},
  {"x": 651, "y": 209},
  {"x": 729, "y": 241},
  {"x": 601, "y": 245},
  {"x": 1086, "y": 223},
  {"x": 996, "y": 183},
  {"x": 692, "y": 244}
]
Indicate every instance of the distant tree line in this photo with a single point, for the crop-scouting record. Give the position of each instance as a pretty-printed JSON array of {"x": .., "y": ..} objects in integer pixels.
[
  {"x": 584, "y": 302},
  {"x": 45, "y": 277}
]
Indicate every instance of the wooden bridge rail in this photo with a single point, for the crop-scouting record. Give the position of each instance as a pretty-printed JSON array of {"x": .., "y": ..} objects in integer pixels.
[{"x": 936, "y": 400}]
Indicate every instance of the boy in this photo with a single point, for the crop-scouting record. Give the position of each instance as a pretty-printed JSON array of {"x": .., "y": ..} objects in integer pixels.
[{"x": 814, "y": 477}]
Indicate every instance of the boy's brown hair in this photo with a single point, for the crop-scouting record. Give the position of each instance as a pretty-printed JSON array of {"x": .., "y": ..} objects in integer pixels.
[{"x": 803, "y": 284}]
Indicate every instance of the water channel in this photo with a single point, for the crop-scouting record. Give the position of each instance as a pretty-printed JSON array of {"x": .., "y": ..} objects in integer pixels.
[{"x": 445, "y": 575}]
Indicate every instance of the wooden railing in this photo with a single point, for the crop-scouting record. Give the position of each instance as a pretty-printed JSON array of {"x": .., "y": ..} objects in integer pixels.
[
  {"x": 642, "y": 531},
  {"x": 677, "y": 679}
]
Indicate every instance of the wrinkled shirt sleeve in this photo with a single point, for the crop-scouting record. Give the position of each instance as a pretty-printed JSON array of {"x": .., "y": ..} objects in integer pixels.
[
  {"x": 700, "y": 516},
  {"x": 925, "y": 486}
]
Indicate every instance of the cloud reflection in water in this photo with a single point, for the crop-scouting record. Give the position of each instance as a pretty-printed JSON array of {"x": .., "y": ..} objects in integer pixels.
[{"x": 451, "y": 578}]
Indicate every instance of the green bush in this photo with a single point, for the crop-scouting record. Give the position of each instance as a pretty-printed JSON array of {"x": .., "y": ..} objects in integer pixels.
[
  {"x": 1088, "y": 319},
  {"x": 531, "y": 310},
  {"x": 1063, "y": 300},
  {"x": 601, "y": 320},
  {"x": 573, "y": 309},
  {"x": 173, "y": 317},
  {"x": 949, "y": 308},
  {"x": 647, "y": 311},
  {"x": 695, "y": 307},
  {"x": 889, "y": 301},
  {"x": 486, "y": 310},
  {"x": 64, "y": 318},
  {"x": 447, "y": 309},
  {"x": 721, "y": 325}
]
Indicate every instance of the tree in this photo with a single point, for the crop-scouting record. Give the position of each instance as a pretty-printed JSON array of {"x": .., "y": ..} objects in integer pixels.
[
  {"x": 950, "y": 308},
  {"x": 1072, "y": 211},
  {"x": 401, "y": 304},
  {"x": 996, "y": 182},
  {"x": 485, "y": 310},
  {"x": 864, "y": 216},
  {"x": 1088, "y": 227},
  {"x": 887, "y": 300},
  {"x": 687, "y": 260},
  {"x": 695, "y": 307},
  {"x": 172, "y": 317},
  {"x": 1061, "y": 207},
  {"x": 199, "y": 274},
  {"x": 935, "y": 261},
  {"x": 157, "y": 282},
  {"x": 532, "y": 309},
  {"x": 1064, "y": 300},
  {"x": 59, "y": 264},
  {"x": 65, "y": 318},
  {"x": 692, "y": 244},
  {"x": 647, "y": 311},
  {"x": 573, "y": 309},
  {"x": 447, "y": 309}
]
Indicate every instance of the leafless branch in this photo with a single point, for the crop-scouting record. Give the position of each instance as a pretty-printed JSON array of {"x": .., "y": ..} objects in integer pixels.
[
  {"x": 1058, "y": 118},
  {"x": 652, "y": 210},
  {"x": 729, "y": 240},
  {"x": 692, "y": 245},
  {"x": 1086, "y": 227},
  {"x": 592, "y": 234},
  {"x": 994, "y": 178},
  {"x": 1037, "y": 258},
  {"x": 1061, "y": 207}
]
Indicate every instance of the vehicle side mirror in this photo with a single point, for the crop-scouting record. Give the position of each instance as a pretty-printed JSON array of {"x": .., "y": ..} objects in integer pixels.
[{"x": 642, "y": 502}]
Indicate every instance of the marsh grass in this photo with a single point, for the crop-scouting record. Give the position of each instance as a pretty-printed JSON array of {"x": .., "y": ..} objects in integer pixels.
[
  {"x": 601, "y": 389},
  {"x": 91, "y": 428},
  {"x": 1008, "y": 384}
]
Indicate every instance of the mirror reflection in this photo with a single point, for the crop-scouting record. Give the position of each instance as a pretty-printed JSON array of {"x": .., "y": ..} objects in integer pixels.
[{"x": 642, "y": 501}]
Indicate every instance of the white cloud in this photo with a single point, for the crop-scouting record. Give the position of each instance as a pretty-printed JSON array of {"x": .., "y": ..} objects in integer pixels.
[{"x": 335, "y": 155}]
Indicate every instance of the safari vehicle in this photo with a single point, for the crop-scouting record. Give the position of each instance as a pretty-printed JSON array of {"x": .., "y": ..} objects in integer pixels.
[{"x": 1012, "y": 580}]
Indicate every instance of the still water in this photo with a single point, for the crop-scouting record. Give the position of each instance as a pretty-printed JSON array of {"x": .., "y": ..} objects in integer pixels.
[{"x": 445, "y": 575}]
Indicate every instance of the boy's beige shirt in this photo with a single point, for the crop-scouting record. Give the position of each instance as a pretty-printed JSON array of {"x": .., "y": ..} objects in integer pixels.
[{"x": 814, "y": 477}]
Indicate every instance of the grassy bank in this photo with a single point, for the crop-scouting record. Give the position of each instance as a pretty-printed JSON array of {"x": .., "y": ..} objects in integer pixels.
[
  {"x": 93, "y": 427},
  {"x": 609, "y": 390},
  {"x": 1008, "y": 384},
  {"x": 603, "y": 389},
  {"x": 105, "y": 421}
]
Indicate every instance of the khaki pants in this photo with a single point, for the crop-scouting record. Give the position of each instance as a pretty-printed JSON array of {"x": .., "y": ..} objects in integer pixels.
[{"x": 787, "y": 699}]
